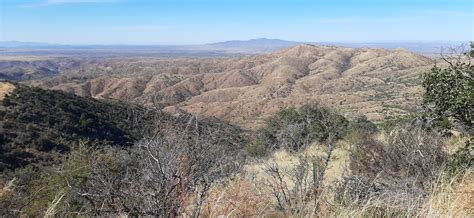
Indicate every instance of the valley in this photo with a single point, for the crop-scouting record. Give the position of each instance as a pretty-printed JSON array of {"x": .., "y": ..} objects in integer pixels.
[{"x": 378, "y": 83}]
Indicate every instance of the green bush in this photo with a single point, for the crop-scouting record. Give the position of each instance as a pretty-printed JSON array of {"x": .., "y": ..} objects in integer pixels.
[
  {"x": 449, "y": 92},
  {"x": 36, "y": 188},
  {"x": 359, "y": 129},
  {"x": 363, "y": 125},
  {"x": 388, "y": 125},
  {"x": 256, "y": 149},
  {"x": 463, "y": 158},
  {"x": 294, "y": 129},
  {"x": 443, "y": 125}
]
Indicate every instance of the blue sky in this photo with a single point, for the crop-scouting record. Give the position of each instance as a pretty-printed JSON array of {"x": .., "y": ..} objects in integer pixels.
[{"x": 203, "y": 21}]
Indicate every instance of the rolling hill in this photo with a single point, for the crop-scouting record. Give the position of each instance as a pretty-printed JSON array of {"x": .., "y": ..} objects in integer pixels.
[{"x": 245, "y": 90}]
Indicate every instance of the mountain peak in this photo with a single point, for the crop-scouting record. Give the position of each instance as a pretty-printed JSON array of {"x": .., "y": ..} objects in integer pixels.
[
  {"x": 304, "y": 49},
  {"x": 272, "y": 44}
]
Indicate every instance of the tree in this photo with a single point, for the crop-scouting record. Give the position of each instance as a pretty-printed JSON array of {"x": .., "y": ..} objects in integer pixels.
[
  {"x": 450, "y": 92},
  {"x": 294, "y": 129}
]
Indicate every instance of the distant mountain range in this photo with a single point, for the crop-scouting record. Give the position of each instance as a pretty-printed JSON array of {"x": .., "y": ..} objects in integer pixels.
[
  {"x": 252, "y": 46},
  {"x": 259, "y": 45},
  {"x": 19, "y": 44}
]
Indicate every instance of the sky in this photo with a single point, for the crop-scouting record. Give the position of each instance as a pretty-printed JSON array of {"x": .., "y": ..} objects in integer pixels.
[{"x": 166, "y": 22}]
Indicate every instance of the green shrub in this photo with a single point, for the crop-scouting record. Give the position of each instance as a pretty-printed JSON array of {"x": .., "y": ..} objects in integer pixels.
[
  {"x": 463, "y": 158},
  {"x": 256, "y": 149},
  {"x": 449, "y": 92},
  {"x": 359, "y": 129},
  {"x": 389, "y": 125},
  {"x": 294, "y": 129},
  {"x": 363, "y": 125},
  {"x": 36, "y": 188}
]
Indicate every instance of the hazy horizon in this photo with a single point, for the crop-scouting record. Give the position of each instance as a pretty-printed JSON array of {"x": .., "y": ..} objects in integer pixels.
[
  {"x": 166, "y": 22},
  {"x": 243, "y": 40}
]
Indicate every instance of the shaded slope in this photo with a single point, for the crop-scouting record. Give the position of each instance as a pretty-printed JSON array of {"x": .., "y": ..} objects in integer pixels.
[{"x": 38, "y": 125}]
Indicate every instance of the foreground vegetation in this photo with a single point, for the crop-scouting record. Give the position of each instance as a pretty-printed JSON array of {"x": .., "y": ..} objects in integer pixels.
[
  {"x": 309, "y": 161},
  {"x": 408, "y": 171},
  {"x": 40, "y": 126}
]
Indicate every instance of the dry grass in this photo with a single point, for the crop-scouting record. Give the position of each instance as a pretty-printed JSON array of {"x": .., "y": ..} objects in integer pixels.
[
  {"x": 453, "y": 143},
  {"x": 245, "y": 196},
  {"x": 288, "y": 161},
  {"x": 452, "y": 197},
  {"x": 5, "y": 89},
  {"x": 7, "y": 189},
  {"x": 239, "y": 198}
]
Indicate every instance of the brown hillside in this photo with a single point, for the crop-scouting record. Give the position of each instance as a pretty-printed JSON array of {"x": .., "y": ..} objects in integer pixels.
[{"x": 376, "y": 82}]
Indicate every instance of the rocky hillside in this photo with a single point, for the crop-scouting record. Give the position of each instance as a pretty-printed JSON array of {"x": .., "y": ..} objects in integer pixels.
[{"x": 376, "y": 82}]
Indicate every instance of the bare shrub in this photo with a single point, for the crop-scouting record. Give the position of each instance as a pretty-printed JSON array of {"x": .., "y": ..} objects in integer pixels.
[
  {"x": 292, "y": 137},
  {"x": 408, "y": 153},
  {"x": 299, "y": 189},
  {"x": 292, "y": 189},
  {"x": 399, "y": 173},
  {"x": 167, "y": 174},
  {"x": 161, "y": 176}
]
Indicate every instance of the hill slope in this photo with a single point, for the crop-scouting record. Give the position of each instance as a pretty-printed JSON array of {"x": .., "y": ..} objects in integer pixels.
[
  {"x": 376, "y": 82},
  {"x": 37, "y": 125}
]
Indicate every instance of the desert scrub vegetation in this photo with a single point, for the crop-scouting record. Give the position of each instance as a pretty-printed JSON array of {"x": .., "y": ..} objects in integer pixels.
[
  {"x": 404, "y": 173},
  {"x": 38, "y": 126},
  {"x": 398, "y": 171},
  {"x": 294, "y": 129},
  {"x": 401, "y": 167},
  {"x": 167, "y": 175},
  {"x": 449, "y": 92},
  {"x": 203, "y": 172}
]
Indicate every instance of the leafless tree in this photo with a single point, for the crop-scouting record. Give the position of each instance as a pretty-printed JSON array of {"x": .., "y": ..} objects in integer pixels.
[
  {"x": 166, "y": 174},
  {"x": 296, "y": 189},
  {"x": 291, "y": 188}
]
